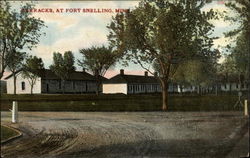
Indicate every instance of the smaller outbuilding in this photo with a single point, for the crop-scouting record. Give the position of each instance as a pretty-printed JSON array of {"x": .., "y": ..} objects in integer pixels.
[{"x": 131, "y": 84}]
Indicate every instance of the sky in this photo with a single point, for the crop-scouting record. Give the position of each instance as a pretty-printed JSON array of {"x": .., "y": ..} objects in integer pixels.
[{"x": 73, "y": 31}]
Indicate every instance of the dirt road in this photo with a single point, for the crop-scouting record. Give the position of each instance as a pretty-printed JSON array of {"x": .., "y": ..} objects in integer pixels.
[{"x": 127, "y": 134}]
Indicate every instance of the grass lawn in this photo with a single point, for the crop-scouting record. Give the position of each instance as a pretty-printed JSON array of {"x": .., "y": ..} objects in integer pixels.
[
  {"x": 7, "y": 133},
  {"x": 119, "y": 102}
]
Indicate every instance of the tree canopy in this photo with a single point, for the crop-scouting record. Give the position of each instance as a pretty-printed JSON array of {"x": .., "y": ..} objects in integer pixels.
[
  {"x": 63, "y": 65},
  {"x": 241, "y": 16},
  {"x": 238, "y": 62},
  {"x": 18, "y": 30},
  {"x": 97, "y": 60},
  {"x": 32, "y": 69}
]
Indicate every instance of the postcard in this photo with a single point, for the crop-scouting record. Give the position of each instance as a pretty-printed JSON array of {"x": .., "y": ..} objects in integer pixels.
[{"x": 166, "y": 78}]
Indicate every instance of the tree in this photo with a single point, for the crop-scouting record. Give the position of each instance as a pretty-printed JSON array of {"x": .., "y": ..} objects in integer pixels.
[
  {"x": 32, "y": 69},
  {"x": 15, "y": 64},
  {"x": 163, "y": 32},
  {"x": 241, "y": 15},
  {"x": 18, "y": 30},
  {"x": 241, "y": 52},
  {"x": 98, "y": 60},
  {"x": 63, "y": 66},
  {"x": 240, "y": 56},
  {"x": 237, "y": 63},
  {"x": 198, "y": 73}
]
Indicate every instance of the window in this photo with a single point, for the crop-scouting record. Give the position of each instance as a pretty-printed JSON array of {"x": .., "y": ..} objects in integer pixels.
[
  {"x": 154, "y": 87},
  {"x": 237, "y": 86},
  {"x": 130, "y": 88},
  {"x": 23, "y": 85},
  {"x": 143, "y": 88}
]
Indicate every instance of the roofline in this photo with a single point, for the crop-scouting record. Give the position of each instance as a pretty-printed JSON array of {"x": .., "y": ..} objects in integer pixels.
[
  {"x": 9, "y": 76},
  {"x": 132, "y": 75}
]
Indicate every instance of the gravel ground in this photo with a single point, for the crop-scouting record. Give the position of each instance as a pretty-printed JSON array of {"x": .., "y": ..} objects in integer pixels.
[{"x": 127, "y": 134}]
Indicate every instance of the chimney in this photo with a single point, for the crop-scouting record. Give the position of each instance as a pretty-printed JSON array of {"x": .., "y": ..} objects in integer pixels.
[
  {"x": 121, "y": 72},
  {"x": 155, "y": 74},
  {"x": 146, "y": 73},
  {"x": 83, "y": 70}
]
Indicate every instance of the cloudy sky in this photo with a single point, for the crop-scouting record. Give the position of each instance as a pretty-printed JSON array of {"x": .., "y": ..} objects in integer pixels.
[{"x": 73, "y": 31}]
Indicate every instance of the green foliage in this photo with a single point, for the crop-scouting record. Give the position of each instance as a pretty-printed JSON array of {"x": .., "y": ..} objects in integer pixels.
[
  {"x": 163, "y": 32},
  {"x": 118, "y": 102},
  {"x": 32, "y": 69},
  {"x": 241, "y": 15},
  {"x": 237, "y": 63},
  {"x": 15, "y": 61},
  {"x": 240, "y": 54},
  {"x": 18, "y": 30},
  {"x": 63, "y": 65},
  {"x": 228, "y": 67},
  {"x": 194, "y": 72},
  {"x": 97, "y": 59},
  {"x": 7, "y": 133}
]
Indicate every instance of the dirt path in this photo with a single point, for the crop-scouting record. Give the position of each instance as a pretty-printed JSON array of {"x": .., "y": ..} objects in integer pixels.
[{"x": 134, "y": 134}]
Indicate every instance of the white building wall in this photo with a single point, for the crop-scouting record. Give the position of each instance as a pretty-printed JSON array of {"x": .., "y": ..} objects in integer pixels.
[
  {"x": 27, "y": 86},
  {"x": 115, "y": 88},
  {"x": 234, "y": 87}
]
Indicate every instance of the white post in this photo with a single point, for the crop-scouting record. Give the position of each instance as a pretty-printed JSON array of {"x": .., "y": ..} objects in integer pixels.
[
  {"x": 246, "y": 108},
  {"x": 14, "y": 112}
]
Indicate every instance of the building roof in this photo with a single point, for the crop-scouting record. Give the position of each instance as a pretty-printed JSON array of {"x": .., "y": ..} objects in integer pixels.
[
  {"x": 76, "y": 75},
  {"x": 9, "y": 76},
  {"x": 120, "y": 78}
]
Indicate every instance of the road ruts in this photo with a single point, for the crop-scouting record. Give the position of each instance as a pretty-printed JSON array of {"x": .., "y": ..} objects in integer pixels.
[{"x": 132, "y": 135}]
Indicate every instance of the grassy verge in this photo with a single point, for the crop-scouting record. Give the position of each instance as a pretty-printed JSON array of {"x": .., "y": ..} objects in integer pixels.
[
  {"x": 7, "y": 133},
  {"x": 88, "y": 102}
]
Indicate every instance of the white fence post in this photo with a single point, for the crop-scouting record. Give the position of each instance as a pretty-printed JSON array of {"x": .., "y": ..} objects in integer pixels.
[
  {"x": 246, "y": 108},
  {"x": 14, "y": 112}
]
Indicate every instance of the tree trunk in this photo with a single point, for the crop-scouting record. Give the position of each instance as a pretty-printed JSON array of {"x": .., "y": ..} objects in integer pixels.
[
  {"x": 216, "y": 89},
  {"x": 1, "y": 75},
  {"x": 63, "y": 84},
  {"x": 164, "y": 85},
  {"x": 97, "y": 88},
  {"x": 97, "y": 85},
  {"x": 240, "y": 82},
  {"x": 181, "y": 89},
  {"x": 14, "y": 84},
  {"x": 31, "y": 89},
  {"x": 98, "y": 81}
]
